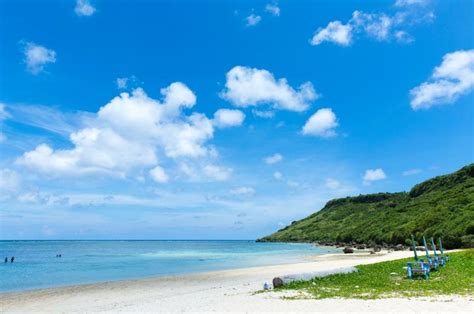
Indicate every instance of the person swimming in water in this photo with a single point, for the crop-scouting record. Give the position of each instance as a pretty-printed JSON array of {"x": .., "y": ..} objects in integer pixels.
[
  {"x": 6, "y": 259},
  {"x": 12, "y": 259}
]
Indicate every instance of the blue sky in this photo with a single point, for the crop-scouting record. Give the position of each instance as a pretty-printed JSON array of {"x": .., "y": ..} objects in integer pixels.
[{"x": 223, "y": 119}]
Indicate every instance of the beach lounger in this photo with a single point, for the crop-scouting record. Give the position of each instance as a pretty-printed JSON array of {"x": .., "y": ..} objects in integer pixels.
[
  {"x": 418, "y": 267},
  {"x": 443, "y": 256},
  {"x": 431, "y": 261},
  {"x": 438, "y": 259}
]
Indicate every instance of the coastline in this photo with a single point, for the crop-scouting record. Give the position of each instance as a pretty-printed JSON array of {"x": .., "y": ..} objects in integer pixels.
[{"x": 224, "y": 290}]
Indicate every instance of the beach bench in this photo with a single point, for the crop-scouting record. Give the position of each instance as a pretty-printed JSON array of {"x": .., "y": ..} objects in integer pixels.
[
  {"x": 443, "y": 256},
  {"x": 438, "y": 259},
  {"x": 418, "y": 267},
  {"x": 431, "y": 261},
  {"x": 415, "y": 268}
]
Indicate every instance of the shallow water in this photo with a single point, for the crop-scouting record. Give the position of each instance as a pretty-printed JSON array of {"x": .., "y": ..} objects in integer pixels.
[{"x": 36, "y": 264}]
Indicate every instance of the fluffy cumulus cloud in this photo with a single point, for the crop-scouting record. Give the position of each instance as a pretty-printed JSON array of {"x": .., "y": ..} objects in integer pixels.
[
  {"x": 322, "y": 123},
  {"x": 273, "y": 9},
  {"x": 224, "y": 118},
  {"x": 273, "y": 159},
  {"x": 217, "y": 173},
  {"x": 450, "y": 80},
  {"x": 128, "y": 134},
  {"x": 372, "y": 175},
  {"x": 278, "y": 175},
  {"x": 159, "y": 175},
  {"x": 378, "y": 26},
  {"x": 84, "y": 8},
  {"x": 252, "y": 87},
  {"x": 253, "y": 19},
  {"x": 37, "y": 57},
  {"x": 335, "y": 32}
]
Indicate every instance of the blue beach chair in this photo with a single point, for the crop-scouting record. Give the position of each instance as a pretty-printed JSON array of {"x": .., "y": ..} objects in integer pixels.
[
  {"x": 431, "y": 261},
  {"x": 443, "y": 256},
  {"x": 418, "y": 266},
  {"x": 438, "y": 259}
]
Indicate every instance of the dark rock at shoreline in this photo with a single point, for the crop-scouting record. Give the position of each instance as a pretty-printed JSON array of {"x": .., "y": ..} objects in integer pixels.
[
  {"x": 348, "y": 250},
  {"x": 399, "y": 247}
]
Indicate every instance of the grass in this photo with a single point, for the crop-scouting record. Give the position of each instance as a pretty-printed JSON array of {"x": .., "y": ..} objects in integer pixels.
[{"x": 388, "y": 279}]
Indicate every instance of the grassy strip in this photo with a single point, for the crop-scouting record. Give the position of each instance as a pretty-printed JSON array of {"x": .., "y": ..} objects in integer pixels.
[{"x": 388, "y": 279}]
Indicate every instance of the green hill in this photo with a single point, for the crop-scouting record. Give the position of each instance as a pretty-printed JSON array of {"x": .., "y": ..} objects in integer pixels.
[{"x": 442, "y": 206}]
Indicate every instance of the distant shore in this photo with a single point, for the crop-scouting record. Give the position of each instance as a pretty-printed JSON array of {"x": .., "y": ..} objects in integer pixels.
[{"x": 228, "y": 290}]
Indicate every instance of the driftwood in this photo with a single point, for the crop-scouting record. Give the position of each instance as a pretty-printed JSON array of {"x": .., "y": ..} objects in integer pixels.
[{"x": 284, "y": 280}]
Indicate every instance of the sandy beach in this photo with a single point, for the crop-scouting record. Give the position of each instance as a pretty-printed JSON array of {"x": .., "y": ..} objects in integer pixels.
[{"x": 229, "y": 290}]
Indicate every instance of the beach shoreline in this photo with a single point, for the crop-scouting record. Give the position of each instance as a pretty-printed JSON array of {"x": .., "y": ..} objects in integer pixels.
[{"x": 222, "y": 290}]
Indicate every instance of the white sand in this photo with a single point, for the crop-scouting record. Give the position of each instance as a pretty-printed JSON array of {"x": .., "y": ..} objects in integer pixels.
[{"x": 221, "y": 291}]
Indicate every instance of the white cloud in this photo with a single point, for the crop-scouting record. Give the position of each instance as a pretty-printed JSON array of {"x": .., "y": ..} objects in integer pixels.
[
  {"x": 243, "y": 191},
  {"x": 126, "y": 135},
  {"x": 278, "y": 175},
  {"x": 293, "y": 184},
  {"x": 130, "y": 82},
  {"x": 335, "y": 32},
  {"x": 228, "y": 118},
  {"x": 378, "y": 26},
  {"x": 332, "y": 184},
  {"x": 36, "y": 57},
  {"x": 217, "y": 173},
  {"x": 450, "y": 80},
  {"x": 404, "y": 37},
  {"x": 84, "y": 8},
  {"x": 48, "y": 118},
  {"x": 159, "y": 175},
  {"x": 253, "y": 19},
  {"x": 122, "y": 82},
  {"x": 265, "y": 114},
  {"x": 273, "y": 159},
  {"x": 322, "y": 123},
  {"x": 33, "y": 197},
  {"x": 404, "y": 3},
  {"x": 273, "y": 9},
  {"x": 9, "y": 181},
  {"x": 374, "y": 175},
  {"x": 411, "y": 172},
  {"x": 251, "y": 87}
]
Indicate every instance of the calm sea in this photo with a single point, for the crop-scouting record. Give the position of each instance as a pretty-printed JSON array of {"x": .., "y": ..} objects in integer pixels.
[{"x": 36, "y": 264}]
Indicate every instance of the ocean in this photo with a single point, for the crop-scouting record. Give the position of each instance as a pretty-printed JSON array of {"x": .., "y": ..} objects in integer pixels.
[{"x": 36, "y": 264}]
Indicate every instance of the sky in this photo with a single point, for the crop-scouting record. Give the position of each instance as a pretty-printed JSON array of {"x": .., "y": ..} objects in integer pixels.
[{"x": 223, "y": 119}]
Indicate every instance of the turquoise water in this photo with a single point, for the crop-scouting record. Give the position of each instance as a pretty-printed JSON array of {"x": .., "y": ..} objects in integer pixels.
[{"x": 36, "y": 264}]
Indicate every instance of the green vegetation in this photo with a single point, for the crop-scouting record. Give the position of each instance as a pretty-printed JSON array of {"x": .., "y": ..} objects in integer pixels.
[
  {"x": 439, "y": 207},
  {"x": 388, "y": 279}
]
